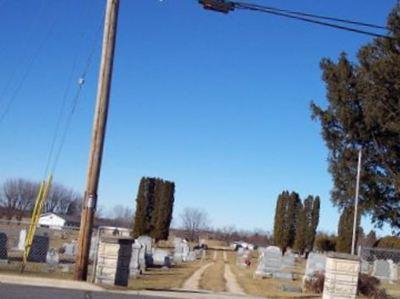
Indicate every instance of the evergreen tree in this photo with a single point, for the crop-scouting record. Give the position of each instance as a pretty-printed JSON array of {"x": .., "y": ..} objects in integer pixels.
[
  {"x": 278, "y": 221},
  {"x": 345, "y": 230},
  {"x": 314, "y": 221},
  {"x": 363, "y": 112},
  {"x": 300, "y": 243},
  {"x": 285, "y": 219},
  {"x": 293, "y": 205},
  {"x": 307, "y": 223},
  {"x": 144, "y": 207},
  {"x": 162, "y": 214}
]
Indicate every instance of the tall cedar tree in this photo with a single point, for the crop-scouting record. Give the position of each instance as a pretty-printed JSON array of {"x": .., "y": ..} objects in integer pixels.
[
  {"x": 300, "y": 242},
  {"x": 162, "y": 214},
  {"x": 154, "y": 207},
  {"x": 314, "y": 221},
  {"x": 363, "y": 112},
  {"x": 294, "y": 204},
  {"x": 307, "y": 223},
  {"x": 144, "y": 207},
  {"x": 285, "y": 219},
  {"x": 345, "y": 230},
  {"x": 280, "y": 220}
]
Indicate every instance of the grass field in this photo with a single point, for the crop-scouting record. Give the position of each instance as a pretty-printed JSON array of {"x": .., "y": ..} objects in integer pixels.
[
  {"x": 213, "y": 277},
  {"x": 164, "y": 279},
  {"x": 271, "y": 288}
]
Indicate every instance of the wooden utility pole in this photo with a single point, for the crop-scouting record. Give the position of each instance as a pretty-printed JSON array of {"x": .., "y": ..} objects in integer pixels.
[{"x": 98, "y": 134}]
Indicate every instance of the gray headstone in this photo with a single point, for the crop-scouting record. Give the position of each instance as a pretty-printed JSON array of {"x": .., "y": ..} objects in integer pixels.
[
  {"x": 288, "y": 261},
  {"x": 381, "y": 269},
  {"x": 52, "y": 259},
  {"x": 3, "y": 246},
  {"x": 134, "y": 266},
  {"x": 270, "y": 261},
  {"x": 70, "y": 249},
  {"x": 365, "y": 267},
  {"x": 315, "y": 263},
  {"x": 39, "y": 248}
]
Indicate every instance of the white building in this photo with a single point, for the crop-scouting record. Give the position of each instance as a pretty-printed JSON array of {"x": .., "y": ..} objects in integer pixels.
[{"x": 52, "y": 220}]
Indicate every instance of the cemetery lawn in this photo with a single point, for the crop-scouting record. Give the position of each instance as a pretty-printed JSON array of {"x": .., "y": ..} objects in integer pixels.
[
  {"x": 164, "y": 279},
  {"x": 213, "y": 278},
  {"x": 268, "y": 287}
]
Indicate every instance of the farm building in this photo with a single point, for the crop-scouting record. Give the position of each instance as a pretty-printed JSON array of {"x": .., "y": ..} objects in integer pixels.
[{"x": 51, "y": 220}]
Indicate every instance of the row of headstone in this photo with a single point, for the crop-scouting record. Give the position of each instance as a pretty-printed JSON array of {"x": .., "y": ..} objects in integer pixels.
[
  {"x": 272, "y": 264},
  {"x": 181, "y": 250},
  {"x": 384, "y": 269}
]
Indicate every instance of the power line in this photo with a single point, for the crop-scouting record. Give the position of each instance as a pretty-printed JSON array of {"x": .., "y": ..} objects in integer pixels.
[
  {"x": 25, "y": 75},
  {"x": 291, "y": 16},
  {"x": 322, "y": 17},
  {"x": 82, "y": 77},
  {"x": 74, "y": 104}
]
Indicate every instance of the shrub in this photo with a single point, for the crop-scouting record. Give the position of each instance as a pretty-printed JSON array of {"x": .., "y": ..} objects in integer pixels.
[
  {"x": 315, "y": 284},
  {"x": 388, "y": 242}
]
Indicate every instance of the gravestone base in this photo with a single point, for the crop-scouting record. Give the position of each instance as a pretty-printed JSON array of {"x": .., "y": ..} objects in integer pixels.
[
  {"x": 341, "y": 276},
  {"x": 283, "y": 276}
]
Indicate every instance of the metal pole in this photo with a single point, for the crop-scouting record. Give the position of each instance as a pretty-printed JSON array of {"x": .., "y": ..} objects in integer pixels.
[
  {"x": 353, "y": 241},
  {"x": 98, "y": 135}
]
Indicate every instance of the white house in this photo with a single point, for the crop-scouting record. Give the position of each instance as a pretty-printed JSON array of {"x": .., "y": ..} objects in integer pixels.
[{"x": 52, "y": 220}]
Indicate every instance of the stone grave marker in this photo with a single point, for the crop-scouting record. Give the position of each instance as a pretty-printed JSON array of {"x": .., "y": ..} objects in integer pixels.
[
  {"x": 52, "y": 259},
  {"x": 394, "y": 273},
  {"x": 146, "y": 241},
  {"x": 134, "y": 266},
  {"x": 161, "y": 257},
  {"x": 270, "y": 262},
  {"x": 365, "y": 267},
  {"x": 21, "y": 240},
  {"x": 381, "y": 269},
  {"x": 341, "y": 276},
  {"x": 288, "y": 261},
  {"x": 39, "y": 249},
  {"x": 142, "y": 257},
  {"x": 192, "y": 256},
  {"x": 114, "y": 257},
  {"x": 3, "y": 247},
  {"x": 315, "y": 263},
  {"x": 70, "y": 249}
]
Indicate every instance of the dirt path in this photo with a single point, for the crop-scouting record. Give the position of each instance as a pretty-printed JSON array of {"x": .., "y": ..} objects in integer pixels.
[
  {"x": 232, "y": 286},
  {"x": 225, "y": 257},
  {"x": 192, "y": 283}
]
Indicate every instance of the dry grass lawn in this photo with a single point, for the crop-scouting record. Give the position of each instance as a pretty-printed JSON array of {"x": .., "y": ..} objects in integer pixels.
[
  {"x": 164, "y": 279},
  {"x": 271, "y": 288},
  {"x": 213, "y": 277}
]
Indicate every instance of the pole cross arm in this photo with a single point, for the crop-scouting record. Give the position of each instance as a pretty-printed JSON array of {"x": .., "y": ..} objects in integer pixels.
[{"x": 223, "y": 6}]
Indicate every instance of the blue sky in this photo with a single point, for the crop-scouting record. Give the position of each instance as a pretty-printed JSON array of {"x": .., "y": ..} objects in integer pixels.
[{"x": 217, "y": 103}]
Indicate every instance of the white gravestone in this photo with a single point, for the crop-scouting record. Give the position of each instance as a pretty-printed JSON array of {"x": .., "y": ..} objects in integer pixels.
[
  {"x": 161, "y": 257},
  {"x": 270, "y": 262},
  {"x": 134, "y": 266},
  {"x": 315, "y": 263},
  {"x": 146, "y": 241},
  {"x": 341, "y": 276},
  {"x": 21, "y": 240},
  {"x": 52, "y": 259}
]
